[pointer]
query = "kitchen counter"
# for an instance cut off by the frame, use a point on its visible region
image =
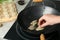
(6, 26)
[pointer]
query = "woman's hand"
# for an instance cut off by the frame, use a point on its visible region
(48, 19)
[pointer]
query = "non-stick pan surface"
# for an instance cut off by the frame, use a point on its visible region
(30, 14)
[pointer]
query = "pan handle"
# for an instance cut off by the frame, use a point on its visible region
(42, 37)
(37, 0)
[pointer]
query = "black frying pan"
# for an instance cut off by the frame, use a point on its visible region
(27, 16)
(30, 14)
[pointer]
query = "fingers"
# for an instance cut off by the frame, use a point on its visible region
(42, 37)
(44, 25)
(41, 21)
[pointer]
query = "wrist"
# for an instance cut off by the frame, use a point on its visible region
(58, 19)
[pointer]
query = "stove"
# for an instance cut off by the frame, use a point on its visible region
(16, 33)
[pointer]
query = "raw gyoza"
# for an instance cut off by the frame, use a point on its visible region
(7, 11)
(34, 26)
(39, 28)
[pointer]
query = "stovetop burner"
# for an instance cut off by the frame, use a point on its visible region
(19, 32)
(16, 33)
(12, 33)
(23, 34)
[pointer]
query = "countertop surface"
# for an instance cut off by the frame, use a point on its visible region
(6, 26)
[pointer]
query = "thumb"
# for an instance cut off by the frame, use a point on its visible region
(45, 24)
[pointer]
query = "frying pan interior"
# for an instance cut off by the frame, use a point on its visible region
(28, 15)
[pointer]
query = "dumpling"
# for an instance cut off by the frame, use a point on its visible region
(39, 28)
(33, 25)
